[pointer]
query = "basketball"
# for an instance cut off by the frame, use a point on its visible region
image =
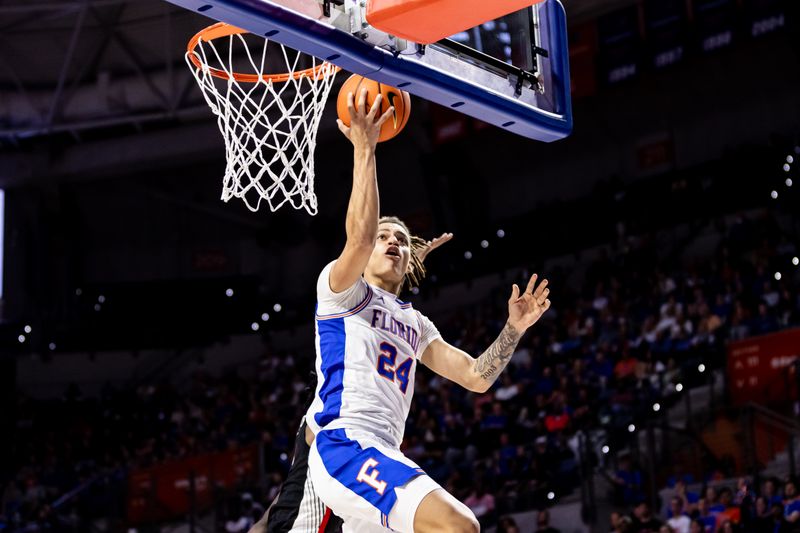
(391, 97)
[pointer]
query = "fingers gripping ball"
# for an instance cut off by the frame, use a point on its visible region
(390, 97)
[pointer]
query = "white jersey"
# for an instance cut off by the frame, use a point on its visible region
(368, 344)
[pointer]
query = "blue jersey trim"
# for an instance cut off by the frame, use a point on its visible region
(331, 348)
(344, 458)
(349, 312)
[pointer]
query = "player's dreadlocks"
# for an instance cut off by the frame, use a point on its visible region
(416, 271)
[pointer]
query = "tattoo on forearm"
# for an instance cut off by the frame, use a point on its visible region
(496, 357)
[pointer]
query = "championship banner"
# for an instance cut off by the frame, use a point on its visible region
(168, 490)
(762, 370)
(716, 23)
(620, 43)
(666, 32)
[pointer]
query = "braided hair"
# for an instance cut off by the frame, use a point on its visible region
(416, 272)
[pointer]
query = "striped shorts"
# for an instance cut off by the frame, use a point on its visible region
(298, 508)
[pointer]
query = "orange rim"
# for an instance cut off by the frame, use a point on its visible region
(220, 29)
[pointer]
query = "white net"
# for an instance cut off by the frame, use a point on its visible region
(269, 122)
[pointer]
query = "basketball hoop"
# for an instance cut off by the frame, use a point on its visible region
(269, 121)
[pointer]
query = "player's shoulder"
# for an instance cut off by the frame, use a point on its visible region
(332, 304)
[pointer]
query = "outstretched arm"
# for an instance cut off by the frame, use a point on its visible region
(362, 211)
(478, 374)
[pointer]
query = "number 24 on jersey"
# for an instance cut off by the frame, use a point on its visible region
(387, 368)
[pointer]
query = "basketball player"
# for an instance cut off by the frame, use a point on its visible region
(298, 508)
(368, 344)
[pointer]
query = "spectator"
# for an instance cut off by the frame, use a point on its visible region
(507, 524)
(727, 526)
(679, 521)
(791, 504)
(704, 516)
(762, 519)
(643, 519)
(543, 522)
(628, 481)
(482, 504)
(730, 512)
(624, 525)
(712, 501)
(688, 498)
(770, 492)
(697, 526)
(779, 523)
(614, 520)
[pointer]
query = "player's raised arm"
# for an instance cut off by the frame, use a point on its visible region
(478, 374)
(362, 211)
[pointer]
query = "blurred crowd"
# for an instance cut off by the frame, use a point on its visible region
(774, 507)
(639, 318)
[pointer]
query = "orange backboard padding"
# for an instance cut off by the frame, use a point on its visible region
(427, 21)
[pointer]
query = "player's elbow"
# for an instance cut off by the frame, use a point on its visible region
(478, 385)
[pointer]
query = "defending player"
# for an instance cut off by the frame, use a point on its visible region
(368, 345)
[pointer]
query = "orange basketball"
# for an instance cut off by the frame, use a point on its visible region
(390, 96)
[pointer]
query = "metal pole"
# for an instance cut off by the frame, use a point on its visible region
(192, 501)
(711, 402)
(588, 476)
(651, 464)
(583, 469)
(688, 398)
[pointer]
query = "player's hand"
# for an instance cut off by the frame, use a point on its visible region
(525, 309)
(365, 125)
(429, 246)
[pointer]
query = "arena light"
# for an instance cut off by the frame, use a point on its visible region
(229, 293)
(605, 449)
(551, 495)
(679, 387)
(414, 290)
(631, 428)
(789, 182)
(254, 326)
(264, 317)
(796, 261)
(778, 276)
(484, 244)
(501, 234)
(52, 346)
(277, 308)
(789, 159)
(656, 407)
(701, 368)
(787, 167)
(21, 339)
(101, 299)
(97, 307)
(78, 291)
(774, 195)
(468, 255)
(27, 328)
